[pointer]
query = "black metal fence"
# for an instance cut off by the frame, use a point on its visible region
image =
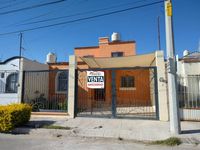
(127, 93)
(46, 90)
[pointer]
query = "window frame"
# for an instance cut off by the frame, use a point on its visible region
(57, 82)
(13, 82)
(120, 52)
(127, 83)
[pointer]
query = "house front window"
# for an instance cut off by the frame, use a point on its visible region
(117, 54)
(11, 83)
(127, 82)
(62, 81)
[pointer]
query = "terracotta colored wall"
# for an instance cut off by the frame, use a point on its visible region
(52, 80)
(86, 97)
(140, 94)
(137, 96)
(105, 50)
(55, 66)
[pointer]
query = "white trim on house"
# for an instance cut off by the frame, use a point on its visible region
(12, 65)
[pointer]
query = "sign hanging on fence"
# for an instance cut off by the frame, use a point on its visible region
(95, 79)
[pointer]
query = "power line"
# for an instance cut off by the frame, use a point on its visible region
(29, 19)
(81, 13)
(18, 23)
(31, 7)
(81, 19)
(12, 4)
(5, 2)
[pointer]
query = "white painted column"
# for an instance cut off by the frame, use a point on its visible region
(162, 86)
(20, 81)
(71, 85)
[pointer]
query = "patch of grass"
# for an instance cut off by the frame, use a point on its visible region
(55, 127)
(172, 141)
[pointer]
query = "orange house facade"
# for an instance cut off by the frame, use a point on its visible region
(133, 87)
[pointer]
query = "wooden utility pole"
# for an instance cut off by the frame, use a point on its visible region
(20, 50)
(158, 21)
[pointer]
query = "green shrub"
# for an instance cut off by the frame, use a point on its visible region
(14, 115)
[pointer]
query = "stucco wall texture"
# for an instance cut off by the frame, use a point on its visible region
(139, 95)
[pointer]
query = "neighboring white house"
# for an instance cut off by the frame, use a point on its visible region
(188, 71)
(11, 71)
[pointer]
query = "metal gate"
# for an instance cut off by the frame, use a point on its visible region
(127, 93)
(189, 97)
(46, 90)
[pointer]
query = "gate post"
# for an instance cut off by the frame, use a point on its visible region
(20, 81)
(71, 85)
(162, 87)
(113, 83)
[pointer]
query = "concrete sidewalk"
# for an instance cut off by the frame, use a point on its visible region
(140, 130)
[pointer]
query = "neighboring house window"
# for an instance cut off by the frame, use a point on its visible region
(127, 81)
(2, 75)
(117, 54)
(62, 81)
(11, 83)
(88, 56)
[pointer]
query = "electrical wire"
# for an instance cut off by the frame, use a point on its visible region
(12, 4)
(85, 18)
(29, 19)
(78, 14)
(18, 23)
(31, 7)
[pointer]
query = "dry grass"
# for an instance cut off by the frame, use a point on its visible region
(172, 141)
(55, 127)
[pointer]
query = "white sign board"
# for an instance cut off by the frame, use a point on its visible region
(95, 79)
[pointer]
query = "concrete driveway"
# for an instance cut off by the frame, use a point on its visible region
(140, 130)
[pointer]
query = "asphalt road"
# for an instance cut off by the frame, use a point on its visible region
(58, 142)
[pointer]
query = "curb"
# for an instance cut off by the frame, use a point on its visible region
(76, 133)
(41, 131)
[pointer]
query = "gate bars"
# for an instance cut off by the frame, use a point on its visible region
(128, 93)
(46, 90)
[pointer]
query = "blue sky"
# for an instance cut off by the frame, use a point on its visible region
(138, 24)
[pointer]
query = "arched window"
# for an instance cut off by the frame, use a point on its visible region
(62, 81)
(11, 83)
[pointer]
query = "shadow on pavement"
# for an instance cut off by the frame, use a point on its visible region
(190, 131)
(25, 129)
